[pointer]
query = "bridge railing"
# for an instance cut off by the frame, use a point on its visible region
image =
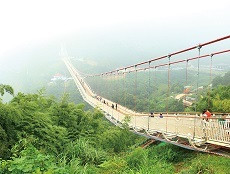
(218, 130)
(215, 130)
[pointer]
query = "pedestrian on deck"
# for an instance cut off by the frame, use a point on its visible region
(161, 115)
(116, 106)
(151, 114)
(208, 115)
(113, 106)
(203, 114)
(222, 119)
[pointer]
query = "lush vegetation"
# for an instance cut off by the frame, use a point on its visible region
(40, 134)
(216, 99)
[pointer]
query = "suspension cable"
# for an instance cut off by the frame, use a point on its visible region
(198, 76)
(125, 88)
(107, 82)
(167, 104)
(135, 96)
(155, 82)
(149, 94)
(186, 83)
(175, 53)
(210, 83)
(119, 98)
(149, 88)
(197, 85)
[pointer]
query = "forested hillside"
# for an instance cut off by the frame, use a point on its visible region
(216, 99)
(146, 93)
(39, 134)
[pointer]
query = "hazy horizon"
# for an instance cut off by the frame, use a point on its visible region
(106, 34)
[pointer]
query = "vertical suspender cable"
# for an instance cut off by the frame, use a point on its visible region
(210, 84)
(149, 94)
(167, 105)
(186, 83)
(198, 76)
(155, 82)
(101, 84)
(135, 96)
(110, 86)
(119, 98)
(197, 85)
(167, 109)
(106, 86)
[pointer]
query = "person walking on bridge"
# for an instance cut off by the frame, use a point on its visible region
(161, 115)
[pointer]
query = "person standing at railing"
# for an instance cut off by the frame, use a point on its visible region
(161, 115)
(151, 114)
(207, 114)
(222, 120)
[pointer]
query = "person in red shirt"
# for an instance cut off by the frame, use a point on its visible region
(208, 115)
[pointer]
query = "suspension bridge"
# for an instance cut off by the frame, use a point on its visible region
(188, 130)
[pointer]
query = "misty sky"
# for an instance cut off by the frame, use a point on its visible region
(105, 31)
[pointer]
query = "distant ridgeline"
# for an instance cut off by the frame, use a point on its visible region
(225, 80)
(217, 99)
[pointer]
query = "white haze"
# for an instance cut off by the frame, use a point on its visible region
(111, 32)
(28, 22)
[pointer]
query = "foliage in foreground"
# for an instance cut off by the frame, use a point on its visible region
(40, 135)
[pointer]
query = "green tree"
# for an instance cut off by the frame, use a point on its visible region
(6, 88)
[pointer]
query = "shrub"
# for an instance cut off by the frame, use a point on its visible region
(85, 152)
(137, 158)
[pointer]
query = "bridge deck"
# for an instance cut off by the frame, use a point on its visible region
(193, 128)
